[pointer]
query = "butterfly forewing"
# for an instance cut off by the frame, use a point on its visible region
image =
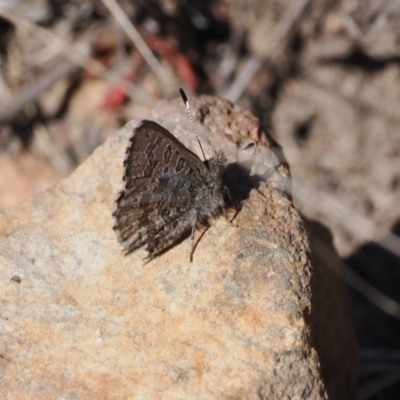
(163, 180)
(154, 152)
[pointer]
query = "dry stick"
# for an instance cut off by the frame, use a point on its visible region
(57, 156)
(31, 92)
(391, 243)
(350, 219)
(376, 297)
(374, 11)
(242, 79)
(276, 41)
(119, 14)
(82, 59)
(76, 57)
(229, 63)
(330, 258)
(351, 27)
(5, 93)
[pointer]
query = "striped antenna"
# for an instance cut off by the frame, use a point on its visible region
(189, 111)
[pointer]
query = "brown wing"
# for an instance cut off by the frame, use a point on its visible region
(154, 151)
(162, 178)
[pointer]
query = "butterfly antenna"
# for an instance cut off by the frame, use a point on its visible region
(189, 111)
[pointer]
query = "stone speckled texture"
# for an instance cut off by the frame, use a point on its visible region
(86, 322)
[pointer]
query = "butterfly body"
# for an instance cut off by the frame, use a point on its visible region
(168, 191)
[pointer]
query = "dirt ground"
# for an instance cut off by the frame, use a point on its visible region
(323, 77)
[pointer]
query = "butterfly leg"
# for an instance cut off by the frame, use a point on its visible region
(192, 244)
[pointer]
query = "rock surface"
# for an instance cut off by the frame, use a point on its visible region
(80, 320)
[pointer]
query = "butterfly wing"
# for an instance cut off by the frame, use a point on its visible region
(162, 178)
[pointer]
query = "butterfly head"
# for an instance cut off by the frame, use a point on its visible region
(217, 164)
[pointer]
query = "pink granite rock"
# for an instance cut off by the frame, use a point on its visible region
(81, 320)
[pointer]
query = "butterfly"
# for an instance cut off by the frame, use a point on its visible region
(169, 192)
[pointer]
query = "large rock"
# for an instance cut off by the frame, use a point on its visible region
(81, 320)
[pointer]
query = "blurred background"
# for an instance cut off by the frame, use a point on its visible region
(322, 76)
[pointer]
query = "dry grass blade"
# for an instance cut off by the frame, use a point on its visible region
(119, 14)
(243, 78)
(30, 93)
(355, 222)
(74, 54)
(46, 145)
(275, 43)
(376, 297)
(359, 225)
(77, 57)
(5, 93)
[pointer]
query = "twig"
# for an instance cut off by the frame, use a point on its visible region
(325, 253)
(119, 14)
(58, 158)
(31, 92)
(359, 284)
(5, 93)
(74, 54)
(353, 221)
(351, 27)
(228, 63)
(242, 79)
(279, 36)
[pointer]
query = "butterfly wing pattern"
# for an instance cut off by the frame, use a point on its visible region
(168, 191)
